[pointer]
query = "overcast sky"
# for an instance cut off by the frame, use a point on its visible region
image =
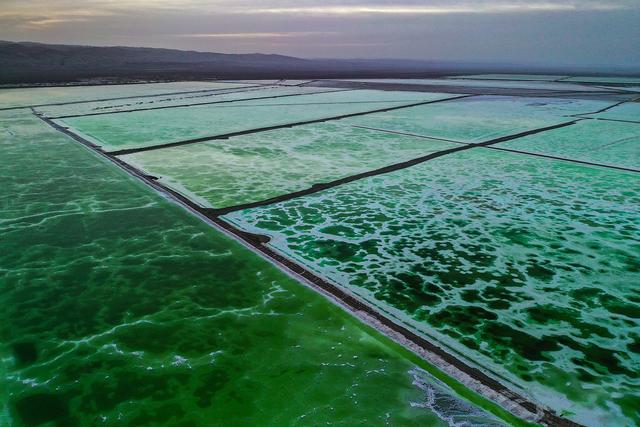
(545, 32)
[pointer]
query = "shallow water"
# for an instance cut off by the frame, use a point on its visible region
(219, 95)
(527, 266)
(479, 118)
(256, 167)
(486, 83)
(541, 77)
(120, 308)
(627, 111)
(610, 143)
(619, 80)
(10, 98)
(148, 128)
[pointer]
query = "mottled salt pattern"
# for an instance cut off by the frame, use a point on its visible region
(527, 266)
(540, 77)
(118, 307)
(610, 143)
(267, 164)
(148, 128)
(220, 95)
(489, 83)
(45, 95)
(437, 398)
(479, 118)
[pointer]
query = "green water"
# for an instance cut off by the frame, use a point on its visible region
(34, 96)
(627, 111)
(527, 266)
(118, 307)
(619, 80)
(268, 164)
(610, 143)
(228, 94)
(490, 83)
(479, 118)
(148, 128)
(542, 77)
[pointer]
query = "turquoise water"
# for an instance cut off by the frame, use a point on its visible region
(527, 266)
(259, 166)
(34, 96)
(230, 94)
(610, 143)
(486, 83)
(540, 77)
(479, 118)
(120, 308)
(627, 111)
(148, 128)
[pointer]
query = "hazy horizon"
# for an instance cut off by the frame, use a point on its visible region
(538, 33)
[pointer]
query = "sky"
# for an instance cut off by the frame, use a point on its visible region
(536, 32)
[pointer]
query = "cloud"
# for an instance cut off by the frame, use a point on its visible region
(47, 22)
(545, 31)
(58, 9)
(35, 20)
(256, 35)
(450, 8)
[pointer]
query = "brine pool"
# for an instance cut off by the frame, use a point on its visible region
(120, 307)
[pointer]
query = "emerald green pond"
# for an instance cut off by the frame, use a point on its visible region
(259, 166)
(147, 128)
(120, 307)
(527, 266)
(609, 143)
(117, 307)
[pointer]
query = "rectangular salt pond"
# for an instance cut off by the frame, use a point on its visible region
(488, 83)
(605, 80)
(164, 101)
(479, 118)
(11, 98)
(148, 128)
(120, 308)
(260, 166)
(527, 266)
(627, 111)
(532, 77)
(281, 82)
(610, 143)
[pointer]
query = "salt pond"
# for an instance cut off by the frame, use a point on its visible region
(479, 118)
(260, 166)
(527, 266)
(148, 128)
(119, 307)
(21, 97)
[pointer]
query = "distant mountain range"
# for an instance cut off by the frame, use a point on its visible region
(26, 62)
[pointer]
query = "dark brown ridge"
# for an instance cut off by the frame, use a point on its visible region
(132, 110)
(128, 97)
(267, 128)
(386, 169)
(257, 241)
